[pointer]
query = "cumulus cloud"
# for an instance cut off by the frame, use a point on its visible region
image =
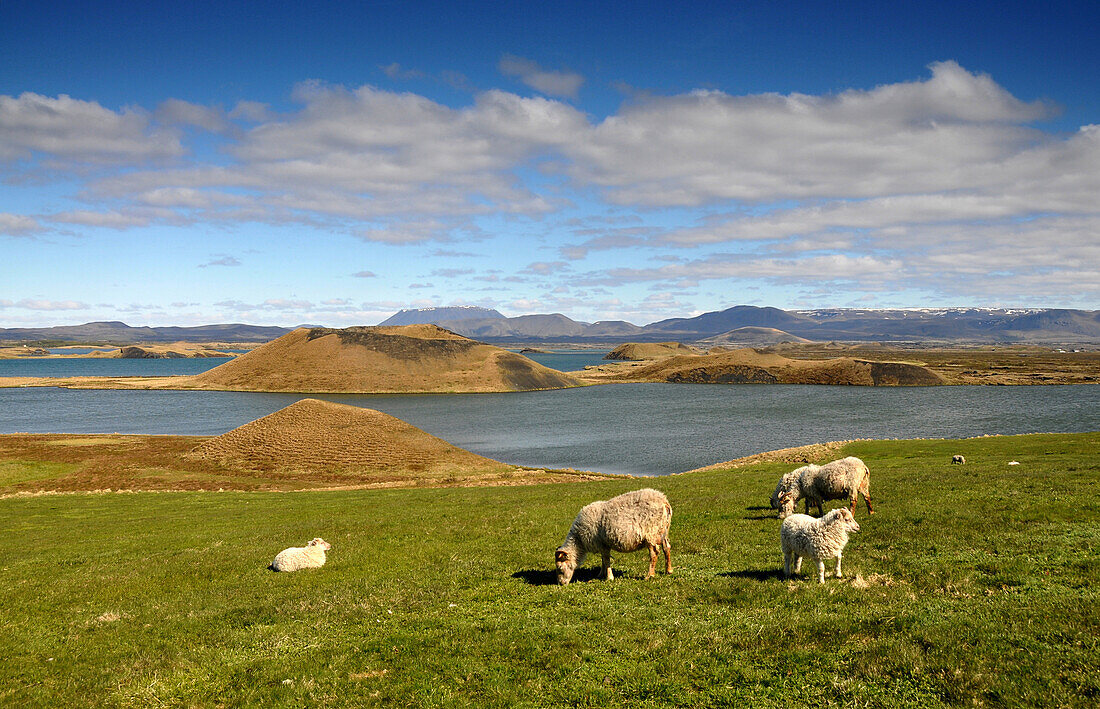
(184, 113)
(19, 225)
(80, 131)
(891, 182)
(949, 132)
(364, 274)
(551, 83)
(110, 220)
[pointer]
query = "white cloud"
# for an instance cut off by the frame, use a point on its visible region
(80, 131)
(34, 304)
(19, 225)
(901, 181)
(184, 113)
(551, 83)
(110, 220)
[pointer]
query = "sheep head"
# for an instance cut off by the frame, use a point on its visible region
(786, 504)
(566, 566)
(318, 542)
(847, 519)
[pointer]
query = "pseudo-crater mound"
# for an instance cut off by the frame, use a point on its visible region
(401, 359)
(748, 366)
(314, 436)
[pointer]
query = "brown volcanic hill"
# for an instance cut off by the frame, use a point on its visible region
(748, 366)
(637, 351)
(400, 359)
(753, 336)
(322, 436)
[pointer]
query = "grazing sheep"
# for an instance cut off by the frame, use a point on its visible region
(788, 483)
(846, 478)
(958, 460)
(820, 539)
(625, 523)
(311, 556)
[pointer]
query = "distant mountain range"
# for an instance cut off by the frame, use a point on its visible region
(944, 325)
(750, 324)
(121, 333)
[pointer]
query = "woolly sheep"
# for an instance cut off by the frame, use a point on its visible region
(846, 478)
(818, 538)
(787, 483)
(625, 523)
(958, 460)
(311, 556)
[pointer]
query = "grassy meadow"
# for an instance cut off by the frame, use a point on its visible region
(971, 585)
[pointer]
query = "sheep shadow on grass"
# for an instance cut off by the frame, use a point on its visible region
(549, 577)
(763, 512)
(761, 575)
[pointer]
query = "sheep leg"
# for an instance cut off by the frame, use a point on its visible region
(786, 564)
(838, 572)
(865, 488)
(820, 571)
(667, 546)
(607, 565)
(797, 564)
(652, 560)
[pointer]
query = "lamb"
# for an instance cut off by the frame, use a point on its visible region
(820, 539)
(311, 556)
(958, 460)
(625, 523)
(840, 479)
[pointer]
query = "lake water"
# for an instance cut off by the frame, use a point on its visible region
(101, 367)
(568, 360)
(563, 360)
(647, 429)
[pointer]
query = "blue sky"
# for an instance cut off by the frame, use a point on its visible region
(330, 163)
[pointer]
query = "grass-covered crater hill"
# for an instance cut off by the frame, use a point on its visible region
(400, 359)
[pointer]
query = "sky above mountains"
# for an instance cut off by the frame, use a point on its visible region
(285, 163)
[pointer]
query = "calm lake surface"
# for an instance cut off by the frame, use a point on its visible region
(100, 367)
(563, 360)
(645, 429)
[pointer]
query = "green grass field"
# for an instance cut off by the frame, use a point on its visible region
(972, 585)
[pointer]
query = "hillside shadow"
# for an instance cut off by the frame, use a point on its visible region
(760, 575)
(549, 577)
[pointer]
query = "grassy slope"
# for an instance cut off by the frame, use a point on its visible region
(978, 584)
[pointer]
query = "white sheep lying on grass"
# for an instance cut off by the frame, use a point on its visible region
(311, 556)
(846, 478)
(625, 523)
(819, 539)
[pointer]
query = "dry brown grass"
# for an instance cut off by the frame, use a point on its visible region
(750, 366)
(413, 358)
(987, 364)
(799, 455)
(636, 351)
(322, 437)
